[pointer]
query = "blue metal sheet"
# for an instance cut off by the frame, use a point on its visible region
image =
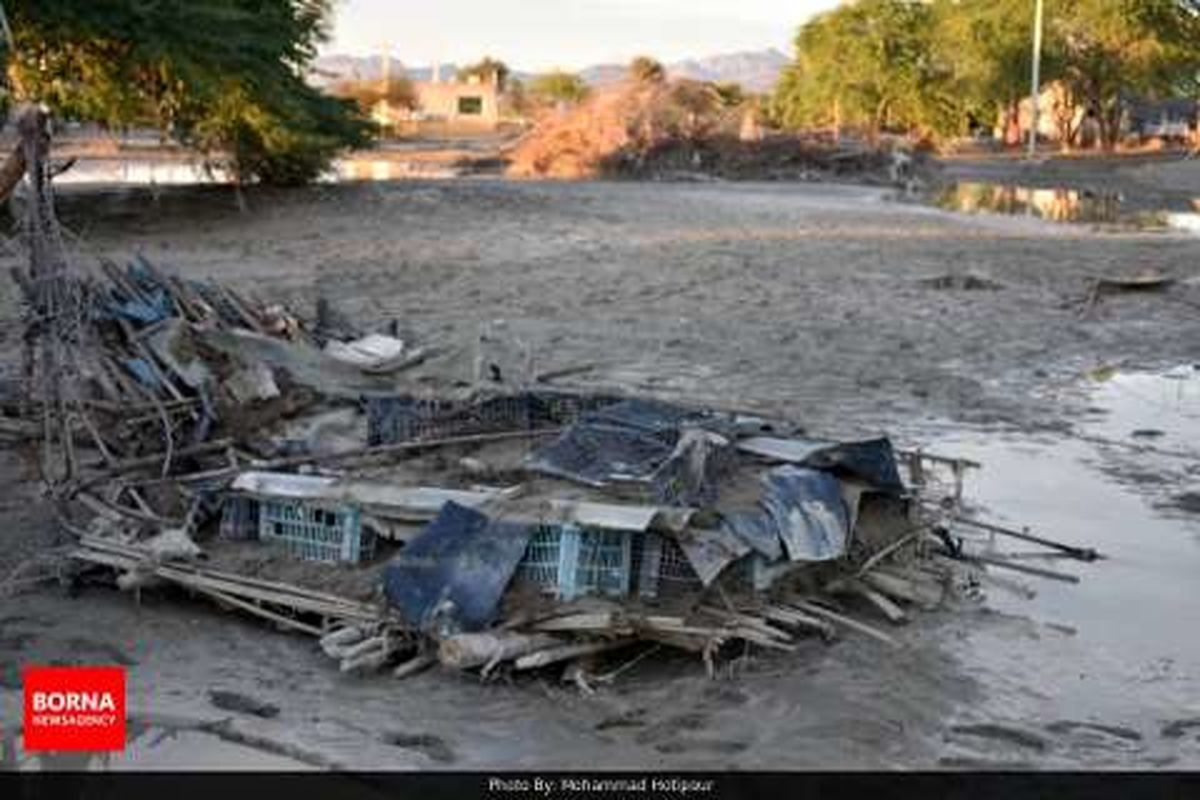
(807, 508)
(462, 557)
(757, 529)
(711, 550)
(595, 454)
(872, 460)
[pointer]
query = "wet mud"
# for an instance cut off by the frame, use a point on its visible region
(806, 301)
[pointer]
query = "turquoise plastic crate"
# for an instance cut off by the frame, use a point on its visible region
(315, 532)
(572, 561)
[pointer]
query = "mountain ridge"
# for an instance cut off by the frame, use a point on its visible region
(755, 70)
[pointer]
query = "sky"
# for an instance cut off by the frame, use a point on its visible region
(567, 34)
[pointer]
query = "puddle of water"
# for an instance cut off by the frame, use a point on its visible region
(174, 172)
(1132, 654)
(1065, 205)
(1159, 410)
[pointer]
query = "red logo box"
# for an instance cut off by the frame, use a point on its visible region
(74, 708)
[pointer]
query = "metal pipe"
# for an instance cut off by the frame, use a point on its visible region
(1036, 83)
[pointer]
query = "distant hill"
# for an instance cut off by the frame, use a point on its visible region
(755, 70)
(337, 67)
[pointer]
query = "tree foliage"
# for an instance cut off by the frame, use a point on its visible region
(398, 92)
(558, 87)
(485, 69)
(645, 69)
(933, 66)
(225, 76)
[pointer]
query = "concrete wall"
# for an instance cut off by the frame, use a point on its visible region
(456, 102)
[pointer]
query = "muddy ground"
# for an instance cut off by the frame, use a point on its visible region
(810, 301)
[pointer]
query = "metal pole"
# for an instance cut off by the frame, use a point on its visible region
(1036, 87)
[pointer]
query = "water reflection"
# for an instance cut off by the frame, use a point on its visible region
(1064, 205)
(177, 172)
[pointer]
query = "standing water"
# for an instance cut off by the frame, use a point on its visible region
(1106, 672)
(1071, 205)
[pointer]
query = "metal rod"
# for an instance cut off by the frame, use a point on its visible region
(1036, 82)
(1081, 553)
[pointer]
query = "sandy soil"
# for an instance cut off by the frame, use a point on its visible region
(802, 300)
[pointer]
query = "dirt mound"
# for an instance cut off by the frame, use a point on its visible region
(680, 130)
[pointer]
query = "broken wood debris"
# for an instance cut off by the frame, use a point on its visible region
(162, 407)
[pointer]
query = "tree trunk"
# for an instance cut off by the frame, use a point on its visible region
(1012, 123)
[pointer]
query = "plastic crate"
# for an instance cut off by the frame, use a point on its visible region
(393, 420)
(663, 569)
(239, 519)
(572, 562)
(315, 532)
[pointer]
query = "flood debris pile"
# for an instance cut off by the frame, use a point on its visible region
(682, 130)
(410, 506)
(348, 490)
(408, 513)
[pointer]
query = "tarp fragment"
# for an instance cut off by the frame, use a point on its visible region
(807, 507)
(454, 572)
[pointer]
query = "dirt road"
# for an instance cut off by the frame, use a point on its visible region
(806, 300)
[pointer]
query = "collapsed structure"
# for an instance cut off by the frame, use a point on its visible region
(411, 505)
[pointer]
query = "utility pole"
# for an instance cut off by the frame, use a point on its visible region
(1036, 89)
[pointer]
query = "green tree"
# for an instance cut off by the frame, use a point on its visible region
(870, 64)
(398, 92)
(987, 46)
(1113, 50)
(932, 66)
(224, 76)
(645, 69)
(485, 69)
(559, 87)
(730, 94)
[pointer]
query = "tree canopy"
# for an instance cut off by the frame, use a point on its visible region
(484, 69)
(399, 92)
(645, 69)
(558, 87)
(932, 67)
(224, 76)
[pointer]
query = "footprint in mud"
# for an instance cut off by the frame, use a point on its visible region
(715, 746)
(242, 704)
(1003, 733)
(726, 695)
(106, 651)
(671, 726)
(1176, 729)
(629, 719)
(1066, 726)
(983, 765)
(432, 747)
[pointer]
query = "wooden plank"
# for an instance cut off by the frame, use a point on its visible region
(414, 665)
(568, 652)
(841, 619)
(893, 612)
(287, 622)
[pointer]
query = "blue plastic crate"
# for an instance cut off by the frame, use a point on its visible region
(315, 532)
(572, 562)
